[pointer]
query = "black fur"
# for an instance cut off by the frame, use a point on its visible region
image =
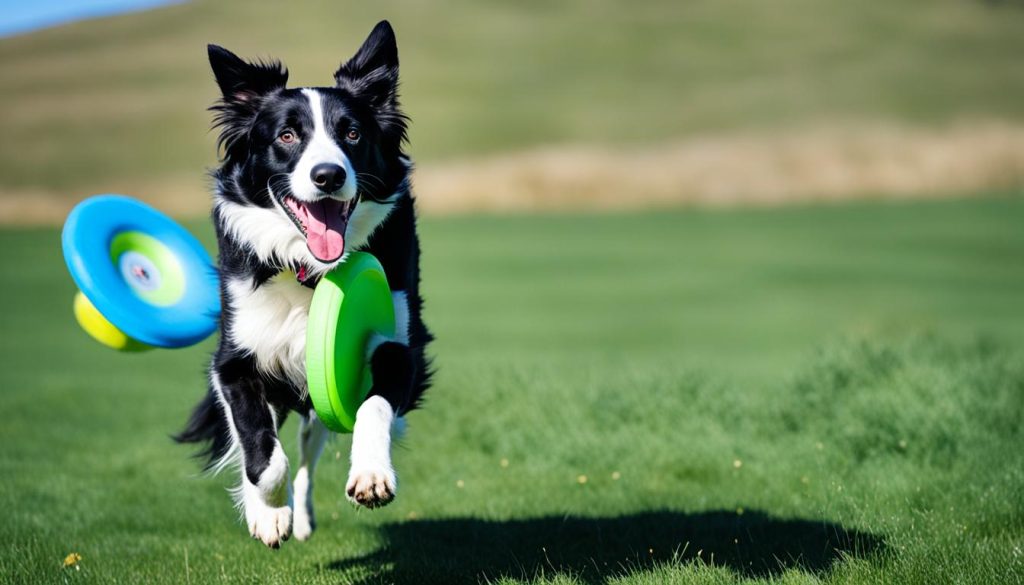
(255, 106)
(207, 425)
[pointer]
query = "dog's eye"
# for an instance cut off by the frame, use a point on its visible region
(287, 137)
(353, 135)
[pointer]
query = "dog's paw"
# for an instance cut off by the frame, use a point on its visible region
(303, 525)
(372, 488)
(271, 526)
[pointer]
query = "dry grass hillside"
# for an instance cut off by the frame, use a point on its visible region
(539, 105)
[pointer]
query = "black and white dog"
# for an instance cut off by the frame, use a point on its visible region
(308, 174)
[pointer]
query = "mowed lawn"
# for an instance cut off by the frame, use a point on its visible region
(808, 394)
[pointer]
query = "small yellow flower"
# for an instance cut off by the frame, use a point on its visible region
(737, 463)
(460, 484)
(581, 479)
(616, 476)
(72, 560)
(504, 462)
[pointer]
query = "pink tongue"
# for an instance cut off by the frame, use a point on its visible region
(325, 229)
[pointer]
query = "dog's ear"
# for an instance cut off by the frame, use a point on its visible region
(242, 82)
(372, 74)
(243, 87)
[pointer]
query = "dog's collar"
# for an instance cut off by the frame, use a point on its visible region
(305, 276)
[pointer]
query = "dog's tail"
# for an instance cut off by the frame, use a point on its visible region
(208, 425)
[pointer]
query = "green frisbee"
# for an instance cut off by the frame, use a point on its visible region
(350, 304)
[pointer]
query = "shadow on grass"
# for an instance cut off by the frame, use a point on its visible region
(595, 550)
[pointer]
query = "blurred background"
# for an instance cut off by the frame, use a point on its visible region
(734, 277)
(568, 105)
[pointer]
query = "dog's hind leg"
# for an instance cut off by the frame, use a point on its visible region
(371, 479)
(265, 490)
(312, 438)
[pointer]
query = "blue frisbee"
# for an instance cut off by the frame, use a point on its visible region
(146, 281)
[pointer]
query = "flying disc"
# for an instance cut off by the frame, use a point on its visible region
(142, 276)
(350, 304)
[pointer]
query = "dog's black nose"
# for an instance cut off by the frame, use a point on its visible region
(328, 177)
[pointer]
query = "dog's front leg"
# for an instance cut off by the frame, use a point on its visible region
(371, 480)
(265, 490)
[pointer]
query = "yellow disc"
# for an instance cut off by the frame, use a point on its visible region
(103, 331)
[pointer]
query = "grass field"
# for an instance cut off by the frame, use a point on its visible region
(800, 395)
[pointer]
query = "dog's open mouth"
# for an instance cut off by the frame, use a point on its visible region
(323, 222)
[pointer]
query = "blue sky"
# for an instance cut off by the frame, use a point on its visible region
(18, 16)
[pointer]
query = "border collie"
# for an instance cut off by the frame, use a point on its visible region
(307, 175)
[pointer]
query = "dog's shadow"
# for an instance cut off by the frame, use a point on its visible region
(597, 550)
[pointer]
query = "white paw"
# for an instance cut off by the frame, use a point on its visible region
(303, 525)
(271, 526)
(372, 488)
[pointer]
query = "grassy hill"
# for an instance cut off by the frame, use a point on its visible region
(810, 395)
(118, 103)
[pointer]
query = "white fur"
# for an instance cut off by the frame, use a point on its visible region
(371, 478)
(302, 508)
(320, 148)
(401, 302)
(312, 438)
(269, 525)
(272, 488)
(268, 511)
(234, 453)
(275, 240)
(268, 233)
(270, 323)
(233, 456)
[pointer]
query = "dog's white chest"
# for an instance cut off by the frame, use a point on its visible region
(269, 322)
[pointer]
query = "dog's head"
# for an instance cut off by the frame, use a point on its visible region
(307, 159)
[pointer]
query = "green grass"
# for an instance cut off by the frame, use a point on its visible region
(801, 395)
(118, 103)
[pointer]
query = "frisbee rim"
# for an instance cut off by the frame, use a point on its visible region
(87, 238)
(349, 305)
